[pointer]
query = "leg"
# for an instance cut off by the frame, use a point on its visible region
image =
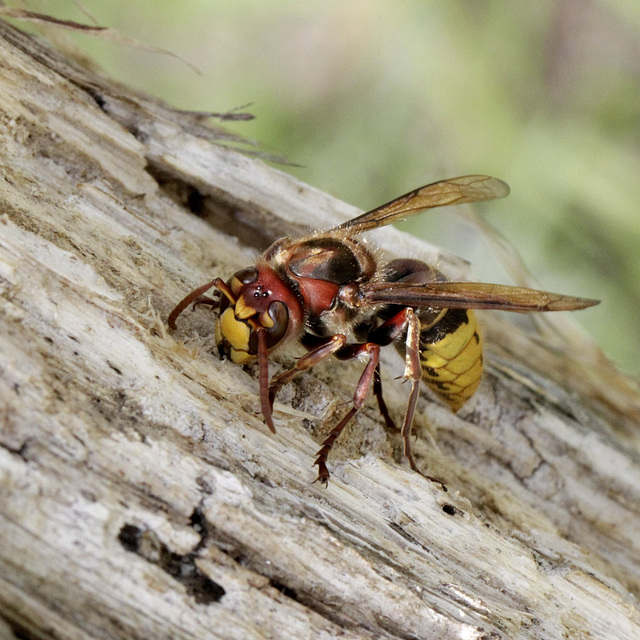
(382, 405)
(197, 297)
(362, 388)
(323, 348)
(383, 335)
(206, 300)
(413, 372)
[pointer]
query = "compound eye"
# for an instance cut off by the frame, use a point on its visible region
(240, 278)
(275, 321)
(279, 315)
(250, 274)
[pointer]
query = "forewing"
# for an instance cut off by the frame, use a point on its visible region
(439, 194)
(470, 295)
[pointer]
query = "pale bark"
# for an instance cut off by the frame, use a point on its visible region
(141, 495)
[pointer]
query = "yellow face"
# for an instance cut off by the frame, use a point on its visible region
(257, 304)
(236, 333)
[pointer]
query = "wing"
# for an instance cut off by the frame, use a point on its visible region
(439, 194)
(468, 295)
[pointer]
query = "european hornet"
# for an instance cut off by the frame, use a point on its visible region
(328, 291)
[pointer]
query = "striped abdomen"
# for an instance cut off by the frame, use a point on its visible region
(451, 357)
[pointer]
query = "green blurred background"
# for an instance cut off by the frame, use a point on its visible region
(376, 97)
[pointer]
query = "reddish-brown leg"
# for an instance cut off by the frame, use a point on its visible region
(372, 350)
(207, 301)
(382, 405)
(383, 335)
(196, 297)
(320, 351)
(263, 379)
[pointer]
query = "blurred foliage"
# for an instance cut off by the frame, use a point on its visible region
(376, 97)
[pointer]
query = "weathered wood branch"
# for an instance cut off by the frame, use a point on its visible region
(141, 496)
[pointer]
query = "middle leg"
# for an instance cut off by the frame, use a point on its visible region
(383, 335)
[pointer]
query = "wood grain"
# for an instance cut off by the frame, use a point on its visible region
(141, 496)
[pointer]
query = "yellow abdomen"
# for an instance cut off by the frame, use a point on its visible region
(451, 357)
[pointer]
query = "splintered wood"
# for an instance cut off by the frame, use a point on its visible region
(141, 495)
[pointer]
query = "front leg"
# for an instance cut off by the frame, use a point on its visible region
(197, 297)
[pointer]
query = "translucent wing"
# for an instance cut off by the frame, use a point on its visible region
(468, 295)
(439, 194)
